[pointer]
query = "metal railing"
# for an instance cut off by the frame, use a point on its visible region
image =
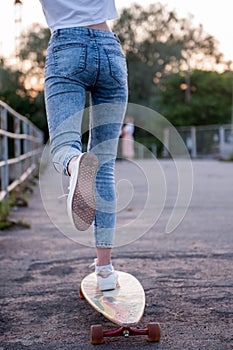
(20, 149)
(206, 141)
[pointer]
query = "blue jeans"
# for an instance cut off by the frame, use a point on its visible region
(81, 60)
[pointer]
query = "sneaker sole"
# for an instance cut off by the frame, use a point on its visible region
(83, 205)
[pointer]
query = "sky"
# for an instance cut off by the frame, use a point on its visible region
(215, 16)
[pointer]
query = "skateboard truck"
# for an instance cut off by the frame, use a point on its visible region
(126, 333)
(98, 334)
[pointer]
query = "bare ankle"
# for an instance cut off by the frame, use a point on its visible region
(70, 164)
(103, 256)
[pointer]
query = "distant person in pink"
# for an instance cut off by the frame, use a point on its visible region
(128, 138)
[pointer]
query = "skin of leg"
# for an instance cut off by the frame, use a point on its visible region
(103, 256)
(70, 164)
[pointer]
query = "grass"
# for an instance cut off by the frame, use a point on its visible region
(4, 210)
(17, 198)
(228, 159)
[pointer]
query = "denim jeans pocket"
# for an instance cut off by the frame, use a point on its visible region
(117, 65)
(69, 59)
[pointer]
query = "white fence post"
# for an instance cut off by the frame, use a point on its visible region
(194, 142)
(17, 149)
(221, 140)
(165, 142)
(5, 168)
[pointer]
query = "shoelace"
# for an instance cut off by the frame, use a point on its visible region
(64, 194)
(93, 264)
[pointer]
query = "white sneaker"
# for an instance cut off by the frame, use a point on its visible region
(81, 200)
(107, 277)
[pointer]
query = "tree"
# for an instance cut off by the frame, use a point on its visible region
(158, 43)
(32, 53)
(12, 91)
(29, 103)
(210, 103)
(162, 51)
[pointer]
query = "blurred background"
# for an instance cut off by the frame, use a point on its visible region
(179, 57)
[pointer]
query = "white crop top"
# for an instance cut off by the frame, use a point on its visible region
(77, 13)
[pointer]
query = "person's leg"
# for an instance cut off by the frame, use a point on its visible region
(104, 140)
(66, 81)
(65, 101)
(108, 105)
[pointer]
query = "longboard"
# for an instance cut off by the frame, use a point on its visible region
(123, 306)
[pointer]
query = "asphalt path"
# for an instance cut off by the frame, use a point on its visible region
(187, 274)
